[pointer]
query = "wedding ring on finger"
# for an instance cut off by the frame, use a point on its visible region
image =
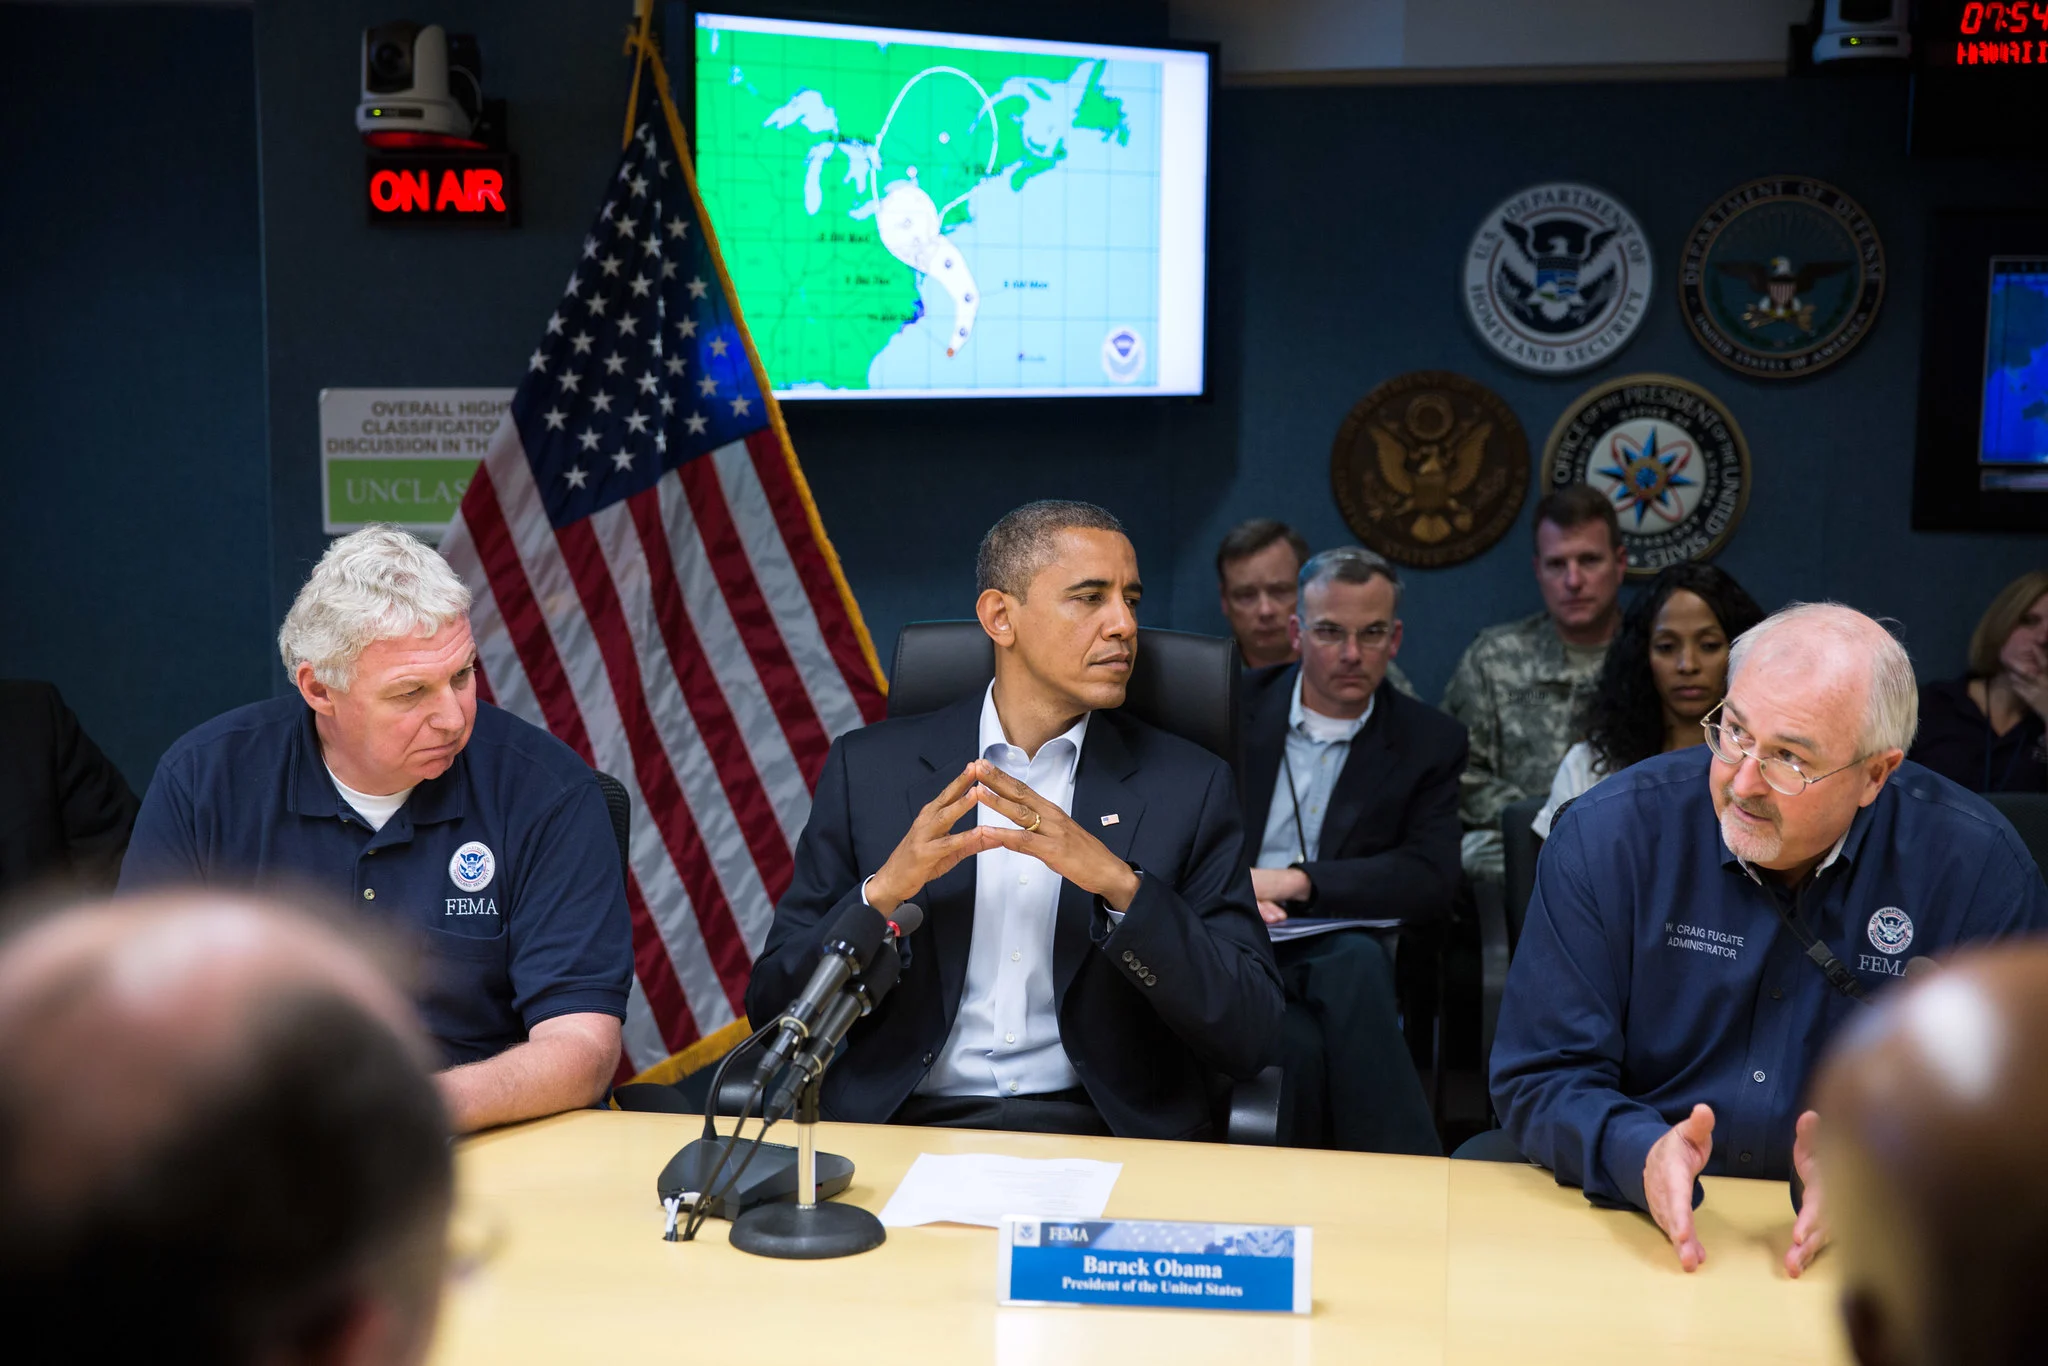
(1033, 827)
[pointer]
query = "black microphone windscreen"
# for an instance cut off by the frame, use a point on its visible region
(861, 930)
(907, 917)
(879, 977)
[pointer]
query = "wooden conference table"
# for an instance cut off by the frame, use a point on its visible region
(1417, 1260)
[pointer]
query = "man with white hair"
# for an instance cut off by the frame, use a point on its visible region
(383, 781)
(1705, 921)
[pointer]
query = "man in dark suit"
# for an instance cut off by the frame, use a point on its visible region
(65, 810)
(1352, 791)
(1090, 955)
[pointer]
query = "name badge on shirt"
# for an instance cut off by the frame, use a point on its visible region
(1144, 1262)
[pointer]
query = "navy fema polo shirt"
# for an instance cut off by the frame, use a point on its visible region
(1655, 971)
(504, 869)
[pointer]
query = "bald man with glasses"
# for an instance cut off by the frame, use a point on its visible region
(1705, 921)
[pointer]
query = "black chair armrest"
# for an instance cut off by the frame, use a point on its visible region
(1489, 906)
(1255, 1110)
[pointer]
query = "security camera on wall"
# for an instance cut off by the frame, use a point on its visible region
(422, 87)
(1861, 30)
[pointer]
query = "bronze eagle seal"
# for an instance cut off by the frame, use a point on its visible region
(1430, 468)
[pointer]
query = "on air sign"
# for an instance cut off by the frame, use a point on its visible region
(442, 189)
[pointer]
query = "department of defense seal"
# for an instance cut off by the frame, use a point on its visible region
(1668, 455)
(473, 866)
(1781, 277)
(1891, 931)
(1557, 278)
(1430, 468)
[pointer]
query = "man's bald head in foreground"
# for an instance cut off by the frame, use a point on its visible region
(1934, 1109)
(218, 1140)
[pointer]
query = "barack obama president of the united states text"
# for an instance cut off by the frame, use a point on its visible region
(1091, 955)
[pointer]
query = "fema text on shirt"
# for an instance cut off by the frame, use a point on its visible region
(1701, 940)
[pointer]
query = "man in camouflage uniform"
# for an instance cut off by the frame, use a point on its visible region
(1522, 685)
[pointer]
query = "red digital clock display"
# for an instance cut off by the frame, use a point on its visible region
(1993, 34)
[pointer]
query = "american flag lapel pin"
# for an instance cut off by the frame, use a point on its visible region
(1110, 819)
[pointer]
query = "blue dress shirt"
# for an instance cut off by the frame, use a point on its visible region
(1005, 1039)
(1654, 971)
(1316, 749)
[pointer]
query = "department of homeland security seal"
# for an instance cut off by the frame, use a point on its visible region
(1781, 277)
(473, 866)
(1891, 931)
(1430, 468)
(1557, 278)
(1668, 455)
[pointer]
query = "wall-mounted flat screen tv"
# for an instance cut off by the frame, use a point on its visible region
(913, 214)
(1982, 462)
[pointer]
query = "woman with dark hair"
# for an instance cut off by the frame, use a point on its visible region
(1667, 668)
(1984, 730)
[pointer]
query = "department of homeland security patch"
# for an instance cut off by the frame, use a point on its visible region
(1557, 278)
(1781, 277)
(1667, 454)
(1430, 468)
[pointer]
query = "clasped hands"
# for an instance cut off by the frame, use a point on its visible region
(1677, 1159)
(930, 849)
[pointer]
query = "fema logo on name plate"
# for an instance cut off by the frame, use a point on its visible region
(1782, 277)
(1891, 931)
(473, 866)
(1557, 278)
(1667, 454)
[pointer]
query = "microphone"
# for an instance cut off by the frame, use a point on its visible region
(850, 945)
(863, 994)
(1917, 967)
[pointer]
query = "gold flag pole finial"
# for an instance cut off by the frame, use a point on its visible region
(641, 45)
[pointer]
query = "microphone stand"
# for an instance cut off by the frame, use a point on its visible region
(807, 1230)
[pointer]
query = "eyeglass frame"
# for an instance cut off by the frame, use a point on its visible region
(1763, 765)
(1386, 629)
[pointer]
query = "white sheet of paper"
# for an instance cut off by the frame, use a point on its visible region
(980, 1188)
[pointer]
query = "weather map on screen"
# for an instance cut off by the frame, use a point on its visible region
(913, 214)
(2015, 422)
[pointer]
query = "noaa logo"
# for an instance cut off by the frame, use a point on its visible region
(473, 866)
(1891, 931)
(1123, 355)
(1669, 458)
(1557, 278)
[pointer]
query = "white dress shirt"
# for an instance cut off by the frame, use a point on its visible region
(1006, 1036)
(1316, 748)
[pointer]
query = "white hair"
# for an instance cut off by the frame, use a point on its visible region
(1817, 631)
(371, 585)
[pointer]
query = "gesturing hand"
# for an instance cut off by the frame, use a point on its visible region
(927, 850)
(2027, 671)
(1810, 1230)
(1674, 1163)
(1049, 835)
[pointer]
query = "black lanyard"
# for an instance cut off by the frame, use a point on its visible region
(1838, 974)
(1300, 837)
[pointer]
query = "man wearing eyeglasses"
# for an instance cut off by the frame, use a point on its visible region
(1705, 921)
(1354, 786)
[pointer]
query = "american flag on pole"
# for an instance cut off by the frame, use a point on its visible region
(654, 587)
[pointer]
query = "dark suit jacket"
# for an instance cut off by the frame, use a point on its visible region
(1148, 1010)
(1389, 845)
(65, 810)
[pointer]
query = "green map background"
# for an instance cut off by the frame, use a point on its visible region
(821, 296)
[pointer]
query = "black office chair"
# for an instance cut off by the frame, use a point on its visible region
(1183, 684)
(2028, 812)
(1501, 913)
(619, 803)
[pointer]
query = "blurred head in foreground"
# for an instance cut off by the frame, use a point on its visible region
(218, 1141)
(1933, 1111)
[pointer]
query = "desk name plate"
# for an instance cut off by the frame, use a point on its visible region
(1244, 1267)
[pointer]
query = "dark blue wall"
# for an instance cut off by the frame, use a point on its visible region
(1341, 215)
(133, 518)
(146, 572)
